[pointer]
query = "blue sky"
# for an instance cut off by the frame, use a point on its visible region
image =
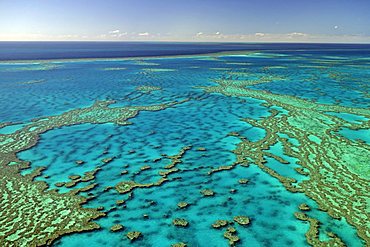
(186, 20)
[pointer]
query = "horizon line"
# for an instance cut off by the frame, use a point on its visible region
(177, 41)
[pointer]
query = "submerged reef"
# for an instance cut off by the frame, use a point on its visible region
(35, 67)
(147, 89)
(338, 175)
(115, 69)
(158, 70)
(33, 82)
(33, 215)
(180, 244)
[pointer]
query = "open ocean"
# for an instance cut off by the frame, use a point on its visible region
(67, 50)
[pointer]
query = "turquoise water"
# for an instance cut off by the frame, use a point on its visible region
(363, 134)
(41, 89)
(11, 128)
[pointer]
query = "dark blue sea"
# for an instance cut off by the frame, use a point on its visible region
(70, 50)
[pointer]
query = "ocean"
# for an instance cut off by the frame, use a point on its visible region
(268, 128)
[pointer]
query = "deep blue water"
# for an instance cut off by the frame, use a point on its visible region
(65, 50)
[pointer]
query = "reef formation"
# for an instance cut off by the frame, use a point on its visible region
(31, 215)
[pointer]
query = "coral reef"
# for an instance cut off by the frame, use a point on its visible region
(133, 236)
(28, 203)
(304, 207)
(117, 227)
(207, 192)
(180, 222)
(242, 220)
(220, 224)
(243, 181)
(182, 205)
(337, 167)
(180, 244)
(230, 234)
(128, 186)
(312, 235)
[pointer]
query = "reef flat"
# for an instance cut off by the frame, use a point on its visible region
(259, 148)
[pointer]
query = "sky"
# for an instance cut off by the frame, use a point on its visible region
(186, 20)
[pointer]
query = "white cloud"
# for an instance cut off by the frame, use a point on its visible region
(114, 31)
(296, 34)
(68, 36)
(122, 34)
(215, 36)
(336, 27)
(113, 35)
